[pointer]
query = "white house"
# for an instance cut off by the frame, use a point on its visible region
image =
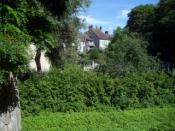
(100, 38)
(86, 43)
(94, 37)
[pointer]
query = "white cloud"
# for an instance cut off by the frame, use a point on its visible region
(123, 14)
(93, 21)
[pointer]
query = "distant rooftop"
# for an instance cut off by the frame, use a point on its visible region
(84, 37)
(99, 33)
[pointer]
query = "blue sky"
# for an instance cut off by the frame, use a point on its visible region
(110, 13)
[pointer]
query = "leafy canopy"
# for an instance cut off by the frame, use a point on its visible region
(127, 53)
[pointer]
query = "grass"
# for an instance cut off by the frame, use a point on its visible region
(148, 119)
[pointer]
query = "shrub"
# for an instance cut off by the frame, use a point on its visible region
(70, 89)
(127, 53)
(73, 89)
(144, 89)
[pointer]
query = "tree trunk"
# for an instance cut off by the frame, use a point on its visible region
(37, 60)
(10, 115)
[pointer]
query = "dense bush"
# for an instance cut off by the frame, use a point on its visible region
(72, 89)
(127, 53)
(144, 89)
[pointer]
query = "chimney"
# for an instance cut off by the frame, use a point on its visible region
(100, 28)
(106, 32)
(90, 27)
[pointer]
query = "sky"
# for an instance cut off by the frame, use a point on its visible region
(110, 14)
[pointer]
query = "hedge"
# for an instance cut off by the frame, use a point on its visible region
(73, 89)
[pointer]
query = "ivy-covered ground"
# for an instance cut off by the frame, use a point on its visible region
(146, 119)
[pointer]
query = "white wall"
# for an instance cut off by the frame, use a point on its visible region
(103, 44)
(81, 47)
(45, 62)
(89, 43)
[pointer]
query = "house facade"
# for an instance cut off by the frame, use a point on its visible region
(101, 39)
(86, 43)
(94, 38)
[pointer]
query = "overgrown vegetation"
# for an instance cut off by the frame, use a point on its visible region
(150, 119)
(127, 75)
(73, 89)
(127, 53)
(23, 22)
(156, 24)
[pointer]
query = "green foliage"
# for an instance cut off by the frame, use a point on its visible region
(36, 18)
(37, 25)
(13, 54)
(156, 25)
(2, 78)
(13, 59)
(149, 119)
(127, 54)
(41, 29)
(164, 30)
(64, 8)
(141, 20)
(73, 89)
(142, 90)
(13, 31)
(70, 89)
(94, 54)
(12, 16)
(49, 23)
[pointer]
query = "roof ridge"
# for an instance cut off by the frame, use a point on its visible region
(100, 34)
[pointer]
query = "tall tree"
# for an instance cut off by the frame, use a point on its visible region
(127, 54)
(68, 29)
(50, 23)
(64, 12)
(157, 25)
(164, 31)
(13, 61)
(62, 8)
(141, 20)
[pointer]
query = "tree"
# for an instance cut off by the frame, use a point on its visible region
(94, 54)
(127, 54)
(62, 8)
(50, 23)
(69, 25)
(41, 30)
(22, 20)
(13, 52)
(141, 20)
(164, 31)
(13, 61)
(157, 25)
(63, 32)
